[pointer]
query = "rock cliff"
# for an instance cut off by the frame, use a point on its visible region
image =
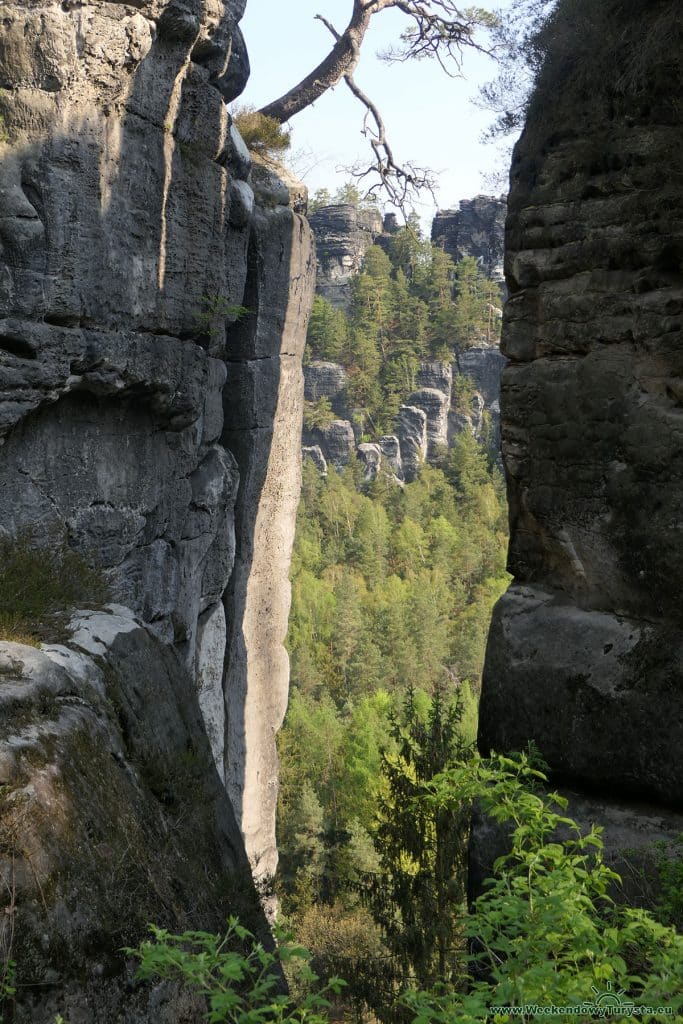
(476, 228)
(153, 426)
(584, 653)
(430, 419)
(343, 235)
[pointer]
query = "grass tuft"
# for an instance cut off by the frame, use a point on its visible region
(40, 583)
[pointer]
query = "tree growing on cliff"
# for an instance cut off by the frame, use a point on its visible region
(437, 29)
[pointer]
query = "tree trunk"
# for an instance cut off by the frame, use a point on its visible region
(340, 61)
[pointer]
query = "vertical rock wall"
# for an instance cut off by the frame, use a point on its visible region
(584, 653)
(476, 228)
(153, 428)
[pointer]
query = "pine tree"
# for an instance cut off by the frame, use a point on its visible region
(473, 314)
(328, 331)
(417, 897)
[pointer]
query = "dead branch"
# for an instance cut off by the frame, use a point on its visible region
(400, 183)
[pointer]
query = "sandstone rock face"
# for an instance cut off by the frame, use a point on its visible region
(145, 419)
(484, 366)
(584, 653)
(412, 437)
(336, 441)
(435, 405)
(436, 375)
(315, 454)
(629, 834)
(326, 380)
(263, 410)
(469, 416)
(113, 816)
(371, 457)
(390, 446)
(343, 234)
(476, 228)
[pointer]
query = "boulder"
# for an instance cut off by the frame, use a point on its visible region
(336, 441)
(371, 457)
(390, 446)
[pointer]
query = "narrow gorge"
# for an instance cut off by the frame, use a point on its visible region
(157, 405)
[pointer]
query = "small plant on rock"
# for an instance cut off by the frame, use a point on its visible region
(263, 136)
(216, 308)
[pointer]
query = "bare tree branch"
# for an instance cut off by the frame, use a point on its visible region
(400, 183)
(439, 29)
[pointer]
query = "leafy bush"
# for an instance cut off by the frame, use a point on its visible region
(546, 930)
(262, 135)
(241, 981)
(544, 933)
(39, 584)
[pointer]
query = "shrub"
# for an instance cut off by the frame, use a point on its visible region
(546, 930)
(216, 311)
(241, 981)
(262, 135)
(318, 414)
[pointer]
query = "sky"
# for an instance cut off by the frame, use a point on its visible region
(430, 118)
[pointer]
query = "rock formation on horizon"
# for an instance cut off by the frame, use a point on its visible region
(343, 234)
(476, 228)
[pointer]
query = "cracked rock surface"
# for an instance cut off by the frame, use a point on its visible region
(584, 653)
(152, 423)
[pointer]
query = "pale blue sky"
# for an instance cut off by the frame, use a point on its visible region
(429, 116)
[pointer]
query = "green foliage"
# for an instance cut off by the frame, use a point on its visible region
(8, 971)
(473, 319)
(263, 136)
(240, 980)
(462, 393)
(348, 194)
(670, 875)
(40, 582)
(417, 895)
(546, 930)
(318, 414)
(328, 331)
(216, 310)
(408, 304)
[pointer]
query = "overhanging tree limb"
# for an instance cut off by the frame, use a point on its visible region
(399, 182)
(439, 29)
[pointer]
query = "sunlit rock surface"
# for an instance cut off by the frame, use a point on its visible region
(154, 295)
